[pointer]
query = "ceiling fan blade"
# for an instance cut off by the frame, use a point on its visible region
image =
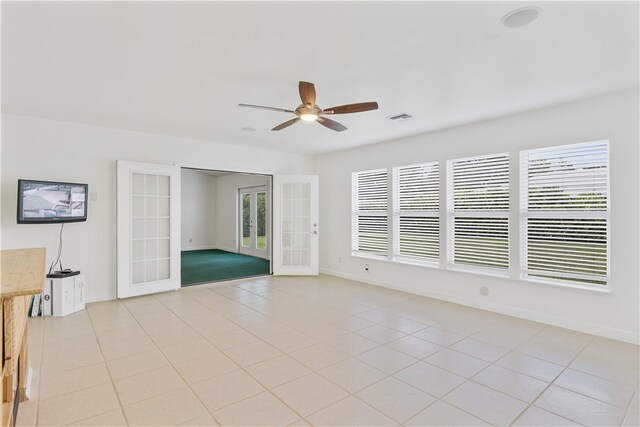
(262, 107)
(286, 124)
(307, 93)
(331, 124)
(351, 108)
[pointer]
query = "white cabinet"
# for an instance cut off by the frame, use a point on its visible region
(64, 295)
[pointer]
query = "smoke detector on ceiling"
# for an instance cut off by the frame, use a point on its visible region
(401, 117)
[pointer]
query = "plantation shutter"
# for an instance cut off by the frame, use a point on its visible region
(565, 212)
(416, 212)
(370, 212)
(478, 211)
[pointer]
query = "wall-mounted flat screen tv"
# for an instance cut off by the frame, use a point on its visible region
(46, 202)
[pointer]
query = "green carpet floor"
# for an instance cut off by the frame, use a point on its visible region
(213, 265)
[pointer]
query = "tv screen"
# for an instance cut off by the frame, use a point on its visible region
(47, 202)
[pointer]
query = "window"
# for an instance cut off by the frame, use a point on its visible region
(369, 212)
(565, 213)
(478, 212)
(416, 216)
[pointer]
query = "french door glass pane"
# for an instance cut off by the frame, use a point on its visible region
(150, 217)
(246, 220)
(296, 231)
(261, 221)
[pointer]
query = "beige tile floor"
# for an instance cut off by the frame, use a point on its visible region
(319, 351)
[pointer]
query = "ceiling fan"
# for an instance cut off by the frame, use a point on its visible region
(309, 110)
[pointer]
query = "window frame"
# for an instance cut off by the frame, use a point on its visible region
(398, 214)
(356, 213)
(516, 216)
(452, 213)
(525, 214)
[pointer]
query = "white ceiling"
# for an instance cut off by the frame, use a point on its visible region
(181, 68)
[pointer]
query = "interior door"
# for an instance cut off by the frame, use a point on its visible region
(295, 225)
(253, 221)
(148, 228)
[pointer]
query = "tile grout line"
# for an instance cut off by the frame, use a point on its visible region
(490, 363)
(539, 394)
(471, 379)
(552, 383)
(189, 386)
(240, 368)
(345, 299)
(37, 414)
(302, 417)
(387, 375)
(466, 380)
(564, 367)
(255, 379)
(465, 337)
(205, 338)
(103, 362)
(113, 384)
(134, 354)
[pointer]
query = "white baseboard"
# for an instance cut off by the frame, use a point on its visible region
(536, 316)
(207, 247)
(198, 248)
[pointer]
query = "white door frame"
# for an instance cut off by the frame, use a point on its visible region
(223, 168)
(268, 173)
(273, 228)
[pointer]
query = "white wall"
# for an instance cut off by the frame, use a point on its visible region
(227, 206)
(51, 150)
(613, 117)
(197, 210)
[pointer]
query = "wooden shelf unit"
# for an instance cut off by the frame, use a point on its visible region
(22, 276)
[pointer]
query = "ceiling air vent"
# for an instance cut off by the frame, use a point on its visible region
(401, 117)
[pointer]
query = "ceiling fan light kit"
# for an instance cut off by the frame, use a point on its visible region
(309, 110)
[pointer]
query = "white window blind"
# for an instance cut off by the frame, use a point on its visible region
(565, 213)
(416, 200)
(369, 213)
(478, 211)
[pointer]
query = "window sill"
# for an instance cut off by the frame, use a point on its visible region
(417, 263)
(406, 261)
(478, 270)
(369, 256)
(603, 289)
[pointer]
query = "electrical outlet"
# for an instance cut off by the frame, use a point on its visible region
(190, 239)
(484, 291)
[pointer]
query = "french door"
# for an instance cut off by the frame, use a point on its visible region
(253, 221)
(295, 225)
(148, 228)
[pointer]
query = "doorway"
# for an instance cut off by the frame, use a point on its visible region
(225, 226)
(151, 205)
